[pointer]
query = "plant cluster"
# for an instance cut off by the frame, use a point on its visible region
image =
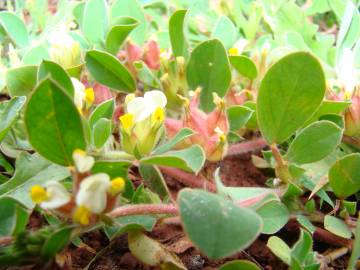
(97, 94)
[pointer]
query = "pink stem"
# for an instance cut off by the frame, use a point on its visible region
(7, 240)
(141, 209)
(245, 147)
(171, 209)
(189, 179)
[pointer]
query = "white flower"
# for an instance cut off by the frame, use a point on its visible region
(52, 196)
(64, 50)
(142, 107)
(79, 93)
(82, 161)
(346, 70)
(93, 193)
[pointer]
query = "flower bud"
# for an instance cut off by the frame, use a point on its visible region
(64, 50)
(152, 55)
(352, 116)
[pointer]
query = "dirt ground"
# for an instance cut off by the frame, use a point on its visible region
(235, 171)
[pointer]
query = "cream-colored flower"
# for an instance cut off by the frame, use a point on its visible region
(52, 196)
(142, 107)
(64, 50)
(83, 162)
(93, 193)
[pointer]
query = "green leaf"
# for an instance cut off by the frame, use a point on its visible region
(9, 110)
(177, 34)
(21, 81)
(31, 170)
(119, 32)
(344, 175)
(152, 252)
(109, 71)
(15, 28)
(53, 123)
(180, 136)
(209, 69)
(146, 76)
(57, 73)
(13, 217)
(131, 8)
(289, 94)
(302, 247)
(349, 31)
(36, 54)
(274, 215)
(190, 159)
(238, 116)
(328, 107)
(239, 265)
(337, 227)
(244, 65)
(103, 110)
(101, 132)
(228, 227)
(314, 142)
(154, 180)
(56, 242)
(355, 254)
(225, 31)
(95, 20)
(280, 249)
(123, 225)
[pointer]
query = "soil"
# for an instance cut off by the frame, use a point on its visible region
(235, 171)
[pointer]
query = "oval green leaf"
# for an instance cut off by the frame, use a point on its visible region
(217, 226)
(314, 142)
(337, 227)
(290, 93)
(21, 81)
(53, 123)
(244, 65)
(209, 69)
(95, 20)
(119, 32)
(15, 28)
(57, 73)
(177, 34)
(109, 71)
(239, 265)
(344, 176)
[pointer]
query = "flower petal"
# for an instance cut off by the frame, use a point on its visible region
(58, 195)
(139, 108)
(79, 93)
(155, 99)
(92, 192)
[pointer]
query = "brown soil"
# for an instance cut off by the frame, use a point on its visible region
(235, 171)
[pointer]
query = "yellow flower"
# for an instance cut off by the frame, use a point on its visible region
(89, 96)
(82, 215)
(158, 116)
(127, 121)
(233, 51)
(117, 185)
(38, 194)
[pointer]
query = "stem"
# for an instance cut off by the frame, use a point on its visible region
(7, 240)
(171, 209)
(336, 254)
(245, 147)
(329, 238)
(188, 179)
(141, 209)
(281, 168)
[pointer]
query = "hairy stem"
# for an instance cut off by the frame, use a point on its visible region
(188, 179)
(245, 147)
(7, 240)
(141, 209)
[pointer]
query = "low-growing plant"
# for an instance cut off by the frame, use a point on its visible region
(105, 104)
